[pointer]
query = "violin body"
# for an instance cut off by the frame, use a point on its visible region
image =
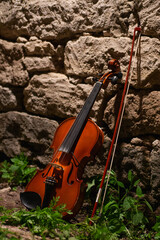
(67, 168)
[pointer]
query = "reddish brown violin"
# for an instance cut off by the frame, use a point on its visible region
(76, 141)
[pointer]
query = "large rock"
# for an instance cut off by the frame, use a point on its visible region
(150, 17)
(42, 56)
(141, 155)
(8, 100)
(155, 170)
(93, 59)
(37, 47)
(21, 132)
(135, 156)
(12, 71)
(146, 66)
(52, 94)
(96, 52)
(38, 65)
(142, 113)
(62, 19)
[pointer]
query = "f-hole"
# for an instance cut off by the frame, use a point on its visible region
(70, 183)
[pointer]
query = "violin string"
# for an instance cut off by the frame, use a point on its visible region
(54, 155)
(81, 119)
(62, 155)
(118, 131)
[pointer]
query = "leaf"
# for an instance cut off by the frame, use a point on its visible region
(30, 221)
(156, 227)
(130, 176)
(127, 203)
(15, 160)
(136, 182)
(13, 168)
(6, 175)
(120, 184)
(157, 236)
(139, 191)
(4, 171)
(90, 185)
(108, 205)
(148, 205)
(137, 218)
(5, 164)
(28, 171)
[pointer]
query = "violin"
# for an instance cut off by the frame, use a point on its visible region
(76, 141)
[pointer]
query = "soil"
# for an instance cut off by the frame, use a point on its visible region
(9, 198)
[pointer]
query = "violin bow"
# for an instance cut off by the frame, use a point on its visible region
(116, 129)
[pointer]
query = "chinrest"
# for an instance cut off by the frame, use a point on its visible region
(30, 200)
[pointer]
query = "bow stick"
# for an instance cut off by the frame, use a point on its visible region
(116, 129)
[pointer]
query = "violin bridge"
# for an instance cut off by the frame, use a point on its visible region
(56, 166)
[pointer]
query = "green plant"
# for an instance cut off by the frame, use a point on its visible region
(96, 231)
(123, 207)
(17, 172)
(156, 228)
(43, 222)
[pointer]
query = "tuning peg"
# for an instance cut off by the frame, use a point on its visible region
(116, 77)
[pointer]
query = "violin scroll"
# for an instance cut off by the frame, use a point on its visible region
(114, 65)
(112, 76)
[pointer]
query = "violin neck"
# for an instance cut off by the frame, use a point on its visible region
(74, 133)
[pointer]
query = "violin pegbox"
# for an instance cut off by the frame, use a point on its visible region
(114, 65)
(111, 76)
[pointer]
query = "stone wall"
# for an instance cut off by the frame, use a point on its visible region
(49, 52)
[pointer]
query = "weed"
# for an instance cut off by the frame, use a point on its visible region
(123, 208)
(17, 172)
(156, 228)
(43, 222)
